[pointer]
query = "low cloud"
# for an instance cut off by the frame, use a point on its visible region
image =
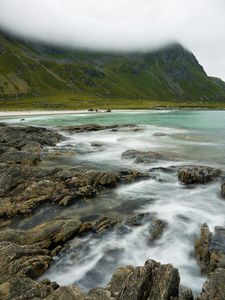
(123, 25)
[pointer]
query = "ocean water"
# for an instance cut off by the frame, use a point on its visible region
(190, 137)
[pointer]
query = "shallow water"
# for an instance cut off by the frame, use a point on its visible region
(191, 137)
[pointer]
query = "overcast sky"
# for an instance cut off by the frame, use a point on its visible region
(199, 25)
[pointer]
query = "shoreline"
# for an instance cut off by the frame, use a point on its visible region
(64, 112)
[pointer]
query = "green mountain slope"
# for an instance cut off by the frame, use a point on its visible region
(37, 75)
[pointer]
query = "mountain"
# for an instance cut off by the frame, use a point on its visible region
(33, 74)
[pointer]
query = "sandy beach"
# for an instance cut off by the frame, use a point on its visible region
(57, 112)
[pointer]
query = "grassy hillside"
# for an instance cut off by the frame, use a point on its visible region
(34, 76)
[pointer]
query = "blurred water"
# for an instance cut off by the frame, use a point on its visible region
(191, 137)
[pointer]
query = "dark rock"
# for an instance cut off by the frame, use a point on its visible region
(153, 281)
(223, 189)
(91, 109)
(14, 135)
(213, 288)
(198, 174)
(156, 226)
(31, 147)
(132, 176)
(160, 134)
(99, 293)
(95, 127)
(97, 144)
(104, 223)
(210, 249)
(45, 236)
(70, 292)
(142, 157)
(20, 157)
(22, 261)
(186, 295)
(24, 289)
(23, 189)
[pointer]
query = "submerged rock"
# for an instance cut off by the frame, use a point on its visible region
(198, 174)
(94, 127)
(210, 249)
(142, 157)
(155, 226)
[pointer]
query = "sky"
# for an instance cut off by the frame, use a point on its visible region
(124, 25)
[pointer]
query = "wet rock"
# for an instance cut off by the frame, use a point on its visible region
(153, 281)
(94, 127)
(22, 261)
(31, 147)
(45, 236)
(19, 136)
(23, 189)
(56, 154)
(132, 176)
(19, 145)
(104, 223)
(97, 144)
(223, 189)
(198, 174)
(67, 292)
(20, 157)
(24, 289)
(186, 295)
(155, 226)
(213, 288)
(210, 249)
(142, 157)
(160, 134)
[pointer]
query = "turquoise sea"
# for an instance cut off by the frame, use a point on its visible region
(186, 138)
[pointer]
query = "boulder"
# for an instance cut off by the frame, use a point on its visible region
(213, 288)
(153, 281)
(198, 174)
(210, 249)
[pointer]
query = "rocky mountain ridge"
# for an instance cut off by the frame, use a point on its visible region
(30, 70)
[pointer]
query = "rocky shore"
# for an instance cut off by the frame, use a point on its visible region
(27, 254)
